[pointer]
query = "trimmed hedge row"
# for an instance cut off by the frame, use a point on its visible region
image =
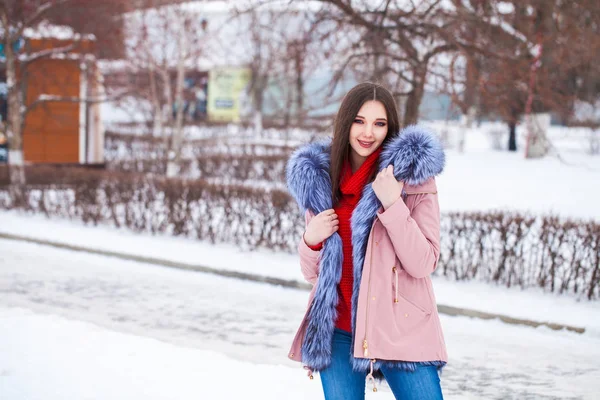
(510, 249)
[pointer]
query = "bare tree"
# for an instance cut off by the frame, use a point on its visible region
(580, 67)
(527, 57)
(263, 58)
(302, 58)
(283, 55)
(165, 44)
(400, 38)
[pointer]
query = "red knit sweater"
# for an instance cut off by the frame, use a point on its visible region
(351, 186)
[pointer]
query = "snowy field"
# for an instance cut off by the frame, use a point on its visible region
(123, 330)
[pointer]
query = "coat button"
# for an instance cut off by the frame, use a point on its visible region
(376, 243)
(406, 315)
(292, 355)
(373, 297)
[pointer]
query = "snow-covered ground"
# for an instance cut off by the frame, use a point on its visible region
(483, 181)
(183, 334)
(527, 304)
(480, 179)
(75, 360)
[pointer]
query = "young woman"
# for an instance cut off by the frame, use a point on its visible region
(370, 245)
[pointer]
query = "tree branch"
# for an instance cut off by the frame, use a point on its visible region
(440, 49)
(26, 59)
(36, 17)
(48, 98)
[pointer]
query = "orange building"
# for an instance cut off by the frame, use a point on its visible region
(63, 122)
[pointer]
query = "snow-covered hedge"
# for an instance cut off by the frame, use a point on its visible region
(513, 249)
(505, 248)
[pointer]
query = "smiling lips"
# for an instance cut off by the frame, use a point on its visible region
(366, 145)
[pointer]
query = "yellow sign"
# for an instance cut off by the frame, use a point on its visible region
(228, 93)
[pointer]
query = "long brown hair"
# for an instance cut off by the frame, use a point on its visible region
(351, 104)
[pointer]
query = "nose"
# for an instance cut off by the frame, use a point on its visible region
(368, 131)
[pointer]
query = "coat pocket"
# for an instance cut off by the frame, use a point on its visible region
(409, 317)
(415, 305)
(405, 288)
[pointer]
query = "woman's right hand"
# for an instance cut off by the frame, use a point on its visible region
(320, 227)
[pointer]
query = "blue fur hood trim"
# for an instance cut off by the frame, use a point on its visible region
(417, 156)
(416, 153)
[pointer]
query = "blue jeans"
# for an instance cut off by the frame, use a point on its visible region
(341, 383)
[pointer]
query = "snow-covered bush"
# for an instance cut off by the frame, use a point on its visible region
(558, 255)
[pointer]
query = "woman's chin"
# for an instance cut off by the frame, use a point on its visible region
(367, 152)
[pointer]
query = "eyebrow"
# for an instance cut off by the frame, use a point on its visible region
(377, 119)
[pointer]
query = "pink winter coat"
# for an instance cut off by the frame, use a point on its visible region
(397, 317)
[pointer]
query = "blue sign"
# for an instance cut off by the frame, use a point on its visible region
(3, 153)
(17, 45)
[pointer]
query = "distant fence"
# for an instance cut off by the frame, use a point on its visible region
(511, 249)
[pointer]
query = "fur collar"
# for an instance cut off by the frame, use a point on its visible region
(417, 156)
(416, 153)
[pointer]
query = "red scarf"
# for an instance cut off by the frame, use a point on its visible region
(351, 186)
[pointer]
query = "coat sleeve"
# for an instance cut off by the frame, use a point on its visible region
(416, 236)
(309, 259)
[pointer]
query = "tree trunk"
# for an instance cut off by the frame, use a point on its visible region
(470, 94)
(258, 105)
(537, 139)
(289, 100)
(411, 110)
(173, 166)
(537, 125)
(299, 89)
(14, 126)
(512, 138)
(258, 123)
(157, 121)
(167, 108)
(467, 124)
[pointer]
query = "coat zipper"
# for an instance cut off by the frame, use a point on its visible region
(365, 342)
(395, 271)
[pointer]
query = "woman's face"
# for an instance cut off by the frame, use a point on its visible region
(368, 131)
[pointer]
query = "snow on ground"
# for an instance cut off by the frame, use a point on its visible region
(527, 304)
(502, 181)
(185, 334)
(482, 179)
(76, 360)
